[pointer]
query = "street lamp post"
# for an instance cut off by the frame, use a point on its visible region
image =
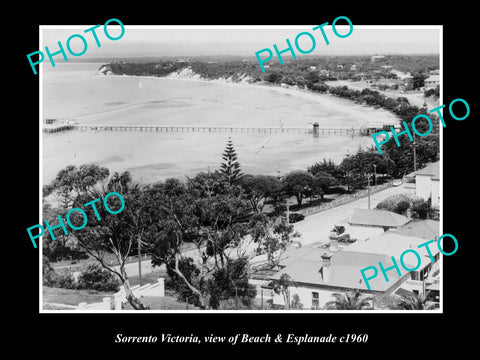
(375, 171)
(368, 179)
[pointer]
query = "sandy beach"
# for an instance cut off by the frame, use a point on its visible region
(79, 92)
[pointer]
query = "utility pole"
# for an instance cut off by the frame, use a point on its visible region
(139, 262)
(368, 177)
(414, 153)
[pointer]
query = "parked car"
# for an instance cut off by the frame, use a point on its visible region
(397, 182)
(295, 217)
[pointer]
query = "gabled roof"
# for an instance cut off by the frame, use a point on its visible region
(425, 229)
(393, 244)
(377, 217)
(432, 169)
(305, 264)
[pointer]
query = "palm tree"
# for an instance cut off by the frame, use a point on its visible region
(415, 302)
(351, 300)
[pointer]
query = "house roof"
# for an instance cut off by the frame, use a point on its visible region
(433, 78)
(377, 217)
(391, 243)
(304, 266)
(432, 169)
(425, 229)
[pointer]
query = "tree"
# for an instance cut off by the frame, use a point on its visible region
(187, 267)
(258, 188)
(351, 300)
(412, 302)
(72, 181)
(94, 277)
(325, 166)
(68, 184)
(49, 275)
(418, 80)
(298, 184)
(416, 302)
(322, 181)
(296, 304)
(271, 235)
(281, 286)
(356, 168)
(230, 168)
(114, 234)
(213, 223)
(229, 287)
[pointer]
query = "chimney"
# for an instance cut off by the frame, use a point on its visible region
(333, 241)
(408, 213)
(326, 266)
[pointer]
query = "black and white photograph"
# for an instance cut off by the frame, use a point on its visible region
(250, 182)
(243, 189)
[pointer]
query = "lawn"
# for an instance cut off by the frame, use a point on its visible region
(72, 297)
(162, 303)
(151, 277)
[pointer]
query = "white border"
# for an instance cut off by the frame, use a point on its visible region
(319, 312)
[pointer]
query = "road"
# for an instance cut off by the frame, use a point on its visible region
(313, 228)
(317, 227)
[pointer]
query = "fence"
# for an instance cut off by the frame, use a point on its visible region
(157, 289)
(119, 298)
(345, 199)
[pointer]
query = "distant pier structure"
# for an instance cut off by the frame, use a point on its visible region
(316, 130)
(54, 126)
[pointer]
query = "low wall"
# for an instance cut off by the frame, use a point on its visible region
(344, 199)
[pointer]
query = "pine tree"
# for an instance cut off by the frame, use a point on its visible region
(230, 168)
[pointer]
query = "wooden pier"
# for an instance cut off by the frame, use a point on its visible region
(204, 129)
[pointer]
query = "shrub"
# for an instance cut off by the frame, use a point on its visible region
(65, 280)
(398, 203)
(94, 277)
(49, 274)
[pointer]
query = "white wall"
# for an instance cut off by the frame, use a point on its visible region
(423, 186)
(436, 193)
(426, 187)
(305, 295)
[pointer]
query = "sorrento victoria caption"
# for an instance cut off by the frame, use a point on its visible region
(241, 187)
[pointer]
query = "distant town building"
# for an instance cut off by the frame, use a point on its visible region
(353, 67)
(339, 66)
(377, 57)
(432, 82)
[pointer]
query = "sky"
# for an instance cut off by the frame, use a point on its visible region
(141, 41)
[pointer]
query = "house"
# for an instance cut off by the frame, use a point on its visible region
(316, 273)
(427, 183)
(432, 82)
(377, 219)
(394, 244)
(425, 229)
(353, 67)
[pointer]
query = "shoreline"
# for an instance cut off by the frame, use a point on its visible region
(322, 98)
